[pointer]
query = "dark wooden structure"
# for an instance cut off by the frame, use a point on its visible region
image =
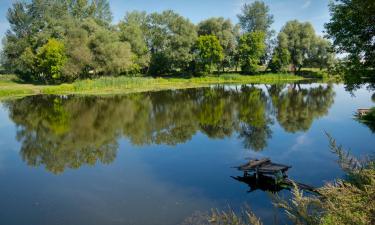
(268, 176)
(264, 167)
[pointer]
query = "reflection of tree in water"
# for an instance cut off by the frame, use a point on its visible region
(68, 132)
(253, 117)
(64, 133)
(296, 108)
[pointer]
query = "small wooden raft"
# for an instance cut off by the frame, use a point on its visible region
(263, 166)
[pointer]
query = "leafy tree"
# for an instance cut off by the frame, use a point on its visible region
(110, 55)
(133, 29)
(78, 25)
(300, 39)
(321, 54)
(171, 38)
(80, 56)
(209, 52)
(251, 48)
(83, 9)
(226, 33)
(281, 56)
(352, 29)
(255, 17)
(51, 58)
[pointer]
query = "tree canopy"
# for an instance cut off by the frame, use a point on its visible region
(352, 29)
(77, 39)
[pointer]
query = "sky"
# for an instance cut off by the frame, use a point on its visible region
(314, 11)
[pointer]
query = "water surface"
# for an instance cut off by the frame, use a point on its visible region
(161, 157)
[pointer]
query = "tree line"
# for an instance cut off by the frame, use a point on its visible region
(55, 41)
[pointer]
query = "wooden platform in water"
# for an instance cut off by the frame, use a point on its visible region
(264, 166)
(363, 112)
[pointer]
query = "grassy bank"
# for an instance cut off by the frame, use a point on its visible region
(11, 87)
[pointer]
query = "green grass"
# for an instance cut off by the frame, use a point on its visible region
(10, 87)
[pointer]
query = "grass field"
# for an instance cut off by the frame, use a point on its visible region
(11, 87)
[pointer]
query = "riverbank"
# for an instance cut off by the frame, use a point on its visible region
(12, 87)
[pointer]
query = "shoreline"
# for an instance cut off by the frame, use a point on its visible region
(10, 87)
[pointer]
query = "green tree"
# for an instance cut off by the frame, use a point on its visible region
(352, 29)
(110, 55)
(255, 17)
(51, 58)
(321, 54)
(300, 39)
(227, 34)
(171, 38)
(77, 24)
(281, 57)
(133, 29)
(209, 52)
(83, 9)
(251, 48)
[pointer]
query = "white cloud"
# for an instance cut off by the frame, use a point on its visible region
(302, 140)
(306, 4)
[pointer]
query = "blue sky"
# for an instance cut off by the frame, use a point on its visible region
(315, 11)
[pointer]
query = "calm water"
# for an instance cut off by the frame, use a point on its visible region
(158, 158)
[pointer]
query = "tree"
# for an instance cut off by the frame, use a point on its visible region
(300, 39)
(321, 54)
(352, 29)
(83, 9)
(255, 17)
(227, 34)
(133, 29)
(209, 52)
(110, 55)
(251, 48)
(77, 25)
(281, 56)
(171, 38)
(51, 58)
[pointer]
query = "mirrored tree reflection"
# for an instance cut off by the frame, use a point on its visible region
(68, 132)
(296, 108)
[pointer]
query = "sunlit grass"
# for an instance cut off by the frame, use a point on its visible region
(121, 85)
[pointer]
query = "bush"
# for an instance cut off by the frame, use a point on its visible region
(51, 58)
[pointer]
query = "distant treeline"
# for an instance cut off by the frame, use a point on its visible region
(56, 41)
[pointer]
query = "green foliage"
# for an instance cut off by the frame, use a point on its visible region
(352, 29)
(321, 54)
(255, 17)
(154, 44)
(171, 38)
(348, 201)
(281, 56)
(77, 24)
(251, 48)
(229, 217)
(300, 210)
(133, 29)
(300, 38)
(209, 52)
(50, 60)
(227, 35)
